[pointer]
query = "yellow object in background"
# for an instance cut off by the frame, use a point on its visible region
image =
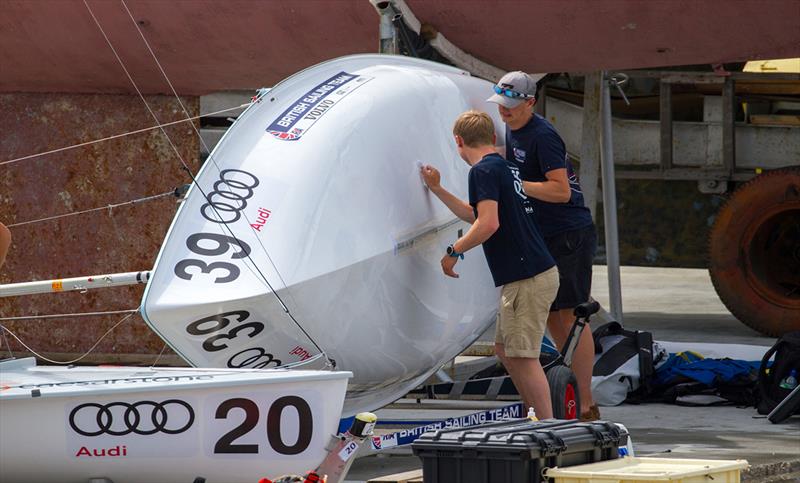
(783, 66)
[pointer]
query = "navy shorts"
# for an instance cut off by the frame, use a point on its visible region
(574, 252)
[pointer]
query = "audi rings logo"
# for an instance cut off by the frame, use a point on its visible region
(172, 416)
(229, 196)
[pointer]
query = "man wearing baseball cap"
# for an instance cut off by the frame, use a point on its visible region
(533, 144)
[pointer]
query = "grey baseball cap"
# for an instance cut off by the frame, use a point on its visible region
(517, 87)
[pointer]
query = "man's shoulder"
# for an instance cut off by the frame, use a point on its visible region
(542, 126)
(535, 129)
(490, 165)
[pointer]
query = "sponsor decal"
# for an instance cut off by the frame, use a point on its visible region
(311, 106)
(172, 416)
(519, 155)
(248, 425)
(261, 219)
(104, 382)
(116, 451)
(384, 441)
(229, 196)
(301, 352)
(407, 436)
(130, 429)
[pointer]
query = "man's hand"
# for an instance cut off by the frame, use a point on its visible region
(431, 176)
(448, 263)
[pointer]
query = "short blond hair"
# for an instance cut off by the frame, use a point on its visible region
(475, 128)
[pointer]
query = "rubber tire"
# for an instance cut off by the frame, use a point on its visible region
(564, 392)
(753, 261)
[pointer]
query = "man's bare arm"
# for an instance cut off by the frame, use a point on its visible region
(555, 190)
(482, 229)
(459, 207)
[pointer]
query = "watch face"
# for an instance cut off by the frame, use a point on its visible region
(450, 249)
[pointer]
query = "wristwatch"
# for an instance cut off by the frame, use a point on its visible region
(453, 253)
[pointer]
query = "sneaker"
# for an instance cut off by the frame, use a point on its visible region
(593, 414)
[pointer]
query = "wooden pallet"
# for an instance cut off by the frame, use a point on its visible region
(414, 476)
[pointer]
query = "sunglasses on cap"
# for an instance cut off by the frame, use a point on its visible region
(511, 94)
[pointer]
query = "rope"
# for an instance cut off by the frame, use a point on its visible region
(61, 316)
(5, 341)
(5, 329)
(138, 131)
(155, 362)
(186, 167)
(109, 208)
(163, 73)
(138, 91)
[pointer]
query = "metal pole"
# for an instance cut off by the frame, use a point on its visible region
(590, 140)
(610, 205)
(388, 34)
(77, 283)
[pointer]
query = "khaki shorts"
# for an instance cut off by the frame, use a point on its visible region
(522, 319)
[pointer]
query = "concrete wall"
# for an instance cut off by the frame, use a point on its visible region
(124, 239)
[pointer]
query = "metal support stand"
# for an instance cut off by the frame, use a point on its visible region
(342, 449)
(610, 204)
(388, 42)
(590, 141)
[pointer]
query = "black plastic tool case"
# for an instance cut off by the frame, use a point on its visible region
(514, 451)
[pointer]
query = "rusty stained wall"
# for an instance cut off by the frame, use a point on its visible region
(124, 239)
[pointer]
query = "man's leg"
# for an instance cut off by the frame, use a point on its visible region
(530, 380)
(559, 323)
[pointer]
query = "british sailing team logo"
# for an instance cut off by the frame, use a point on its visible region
(311, 106)
(172, 416)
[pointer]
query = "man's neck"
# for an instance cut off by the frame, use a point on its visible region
(474, 155)
(521, 122)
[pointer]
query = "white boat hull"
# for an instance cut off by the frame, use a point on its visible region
(166, 425)
(310, 230)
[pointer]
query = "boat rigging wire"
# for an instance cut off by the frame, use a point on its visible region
(108, 207)
(91, 349)
(213, 161)
(329, 361)
(155, 362)
(5, 341)
(61, 316)
(121, 135)
(138, 91)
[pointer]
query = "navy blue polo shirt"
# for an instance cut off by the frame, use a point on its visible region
(536, 148)
(516, 251)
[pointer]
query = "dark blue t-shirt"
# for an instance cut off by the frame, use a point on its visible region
(536, 148)
(516, 251)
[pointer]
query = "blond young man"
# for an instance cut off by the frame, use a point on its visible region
(514, 249)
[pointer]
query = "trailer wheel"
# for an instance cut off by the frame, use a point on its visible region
(564, 392)
(754, 252)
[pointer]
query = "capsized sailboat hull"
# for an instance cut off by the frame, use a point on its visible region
(133, 424)
(310, 230)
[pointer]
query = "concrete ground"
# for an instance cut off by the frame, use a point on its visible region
(677, 305)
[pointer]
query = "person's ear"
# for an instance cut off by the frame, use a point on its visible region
(459, 141)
